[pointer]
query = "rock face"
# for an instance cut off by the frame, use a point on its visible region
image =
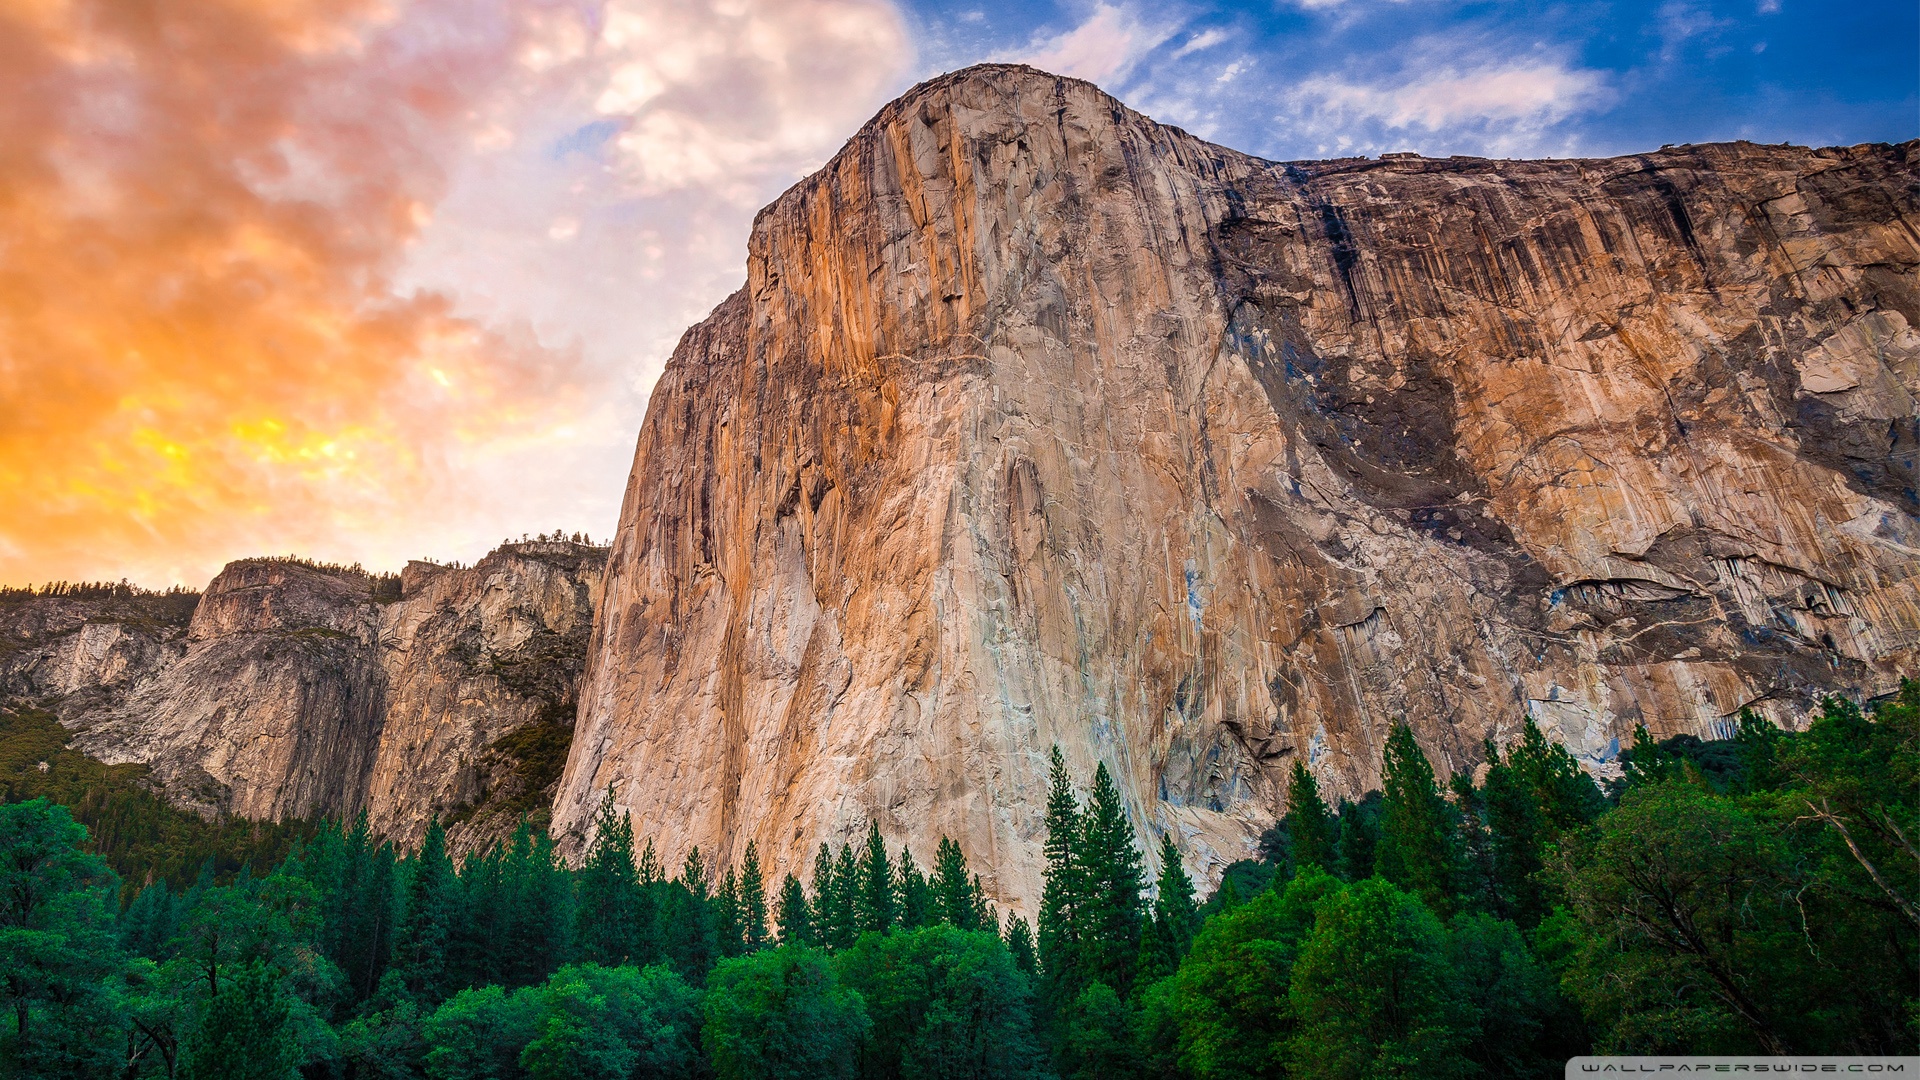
(1039, 423)
(294, 691)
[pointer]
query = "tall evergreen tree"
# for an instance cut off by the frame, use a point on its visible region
(536, 912)
(1417, 849)
(955, 892)
(1176, 917)
(877, 913)
(692, 936)
(914, 901)
(753, 902)
(820, 910)
(796, 915)
(1359, 837)
(726, 916)
(606, 906)
(1019, 940)
(422, 948)
(1309, 822)
(1063, 895)
(845, 925)
(1113, 875)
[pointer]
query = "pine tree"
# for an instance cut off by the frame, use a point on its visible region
(726, 916)
(1308, 821)
(693, 942)
(433, 913)
(877, 914)
(914, 900)
(1417, 849)
(796, 917)
(955, 892)
(1113, 876)
(753, 902)
(845, 927)
(1063, 894)
(1020, 945)
(606, 911)
(1175, 917)
(821, 909)
(1359, 837)
(536, 910)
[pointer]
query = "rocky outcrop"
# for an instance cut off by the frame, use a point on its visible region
(298, 690)
(1039, 423)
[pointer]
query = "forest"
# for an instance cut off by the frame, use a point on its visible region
(1750, 895)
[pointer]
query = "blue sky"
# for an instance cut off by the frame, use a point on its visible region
(1298, 80)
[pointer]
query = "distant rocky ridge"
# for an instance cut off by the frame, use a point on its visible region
(292, 689)
(1037, 422)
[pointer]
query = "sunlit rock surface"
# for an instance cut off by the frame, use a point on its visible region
(294, 692)
(1039, 423)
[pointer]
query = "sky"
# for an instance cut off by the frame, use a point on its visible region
(372, 280)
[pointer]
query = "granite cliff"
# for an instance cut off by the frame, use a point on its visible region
(1038, 423)
(293, 690)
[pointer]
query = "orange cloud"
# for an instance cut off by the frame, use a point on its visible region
(202, 208)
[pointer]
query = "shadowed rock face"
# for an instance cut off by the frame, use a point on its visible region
(293, 692)
(1039, 423)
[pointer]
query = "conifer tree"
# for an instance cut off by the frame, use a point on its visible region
(1417, 847)
(956, 893)
(820, 910)
(433, 915)
(1309, 822)
(796, 916)
(914, 901)
(536, 915)
(753, 902)
(877, 913)
(606, 889)
(1062, 896)
(693, 941)
(1113, 878)
(1175, 917)
(845, 926)
(726, 916)
(1020, 945)
(1359, 838)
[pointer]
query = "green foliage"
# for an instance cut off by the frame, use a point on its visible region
(1310, 824)
(600, 1023)
(1373, 993)
(1169, 935)
(781, 1013)
(943, 1002)
(753, 902)
(607, 896)
(1417, 831)
(57, 946)
(1098, 1042)
(1112, 874)
(246, 1032)
(480, 1034)
(432, 914)
(138, 834)
(914, 898)
(796, 917)
(877, 912)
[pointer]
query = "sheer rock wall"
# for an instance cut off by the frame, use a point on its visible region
(292, 692)
(1040, 423)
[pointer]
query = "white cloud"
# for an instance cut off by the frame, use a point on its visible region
(1206, 40)
(1475, 102)
(1102, 49)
